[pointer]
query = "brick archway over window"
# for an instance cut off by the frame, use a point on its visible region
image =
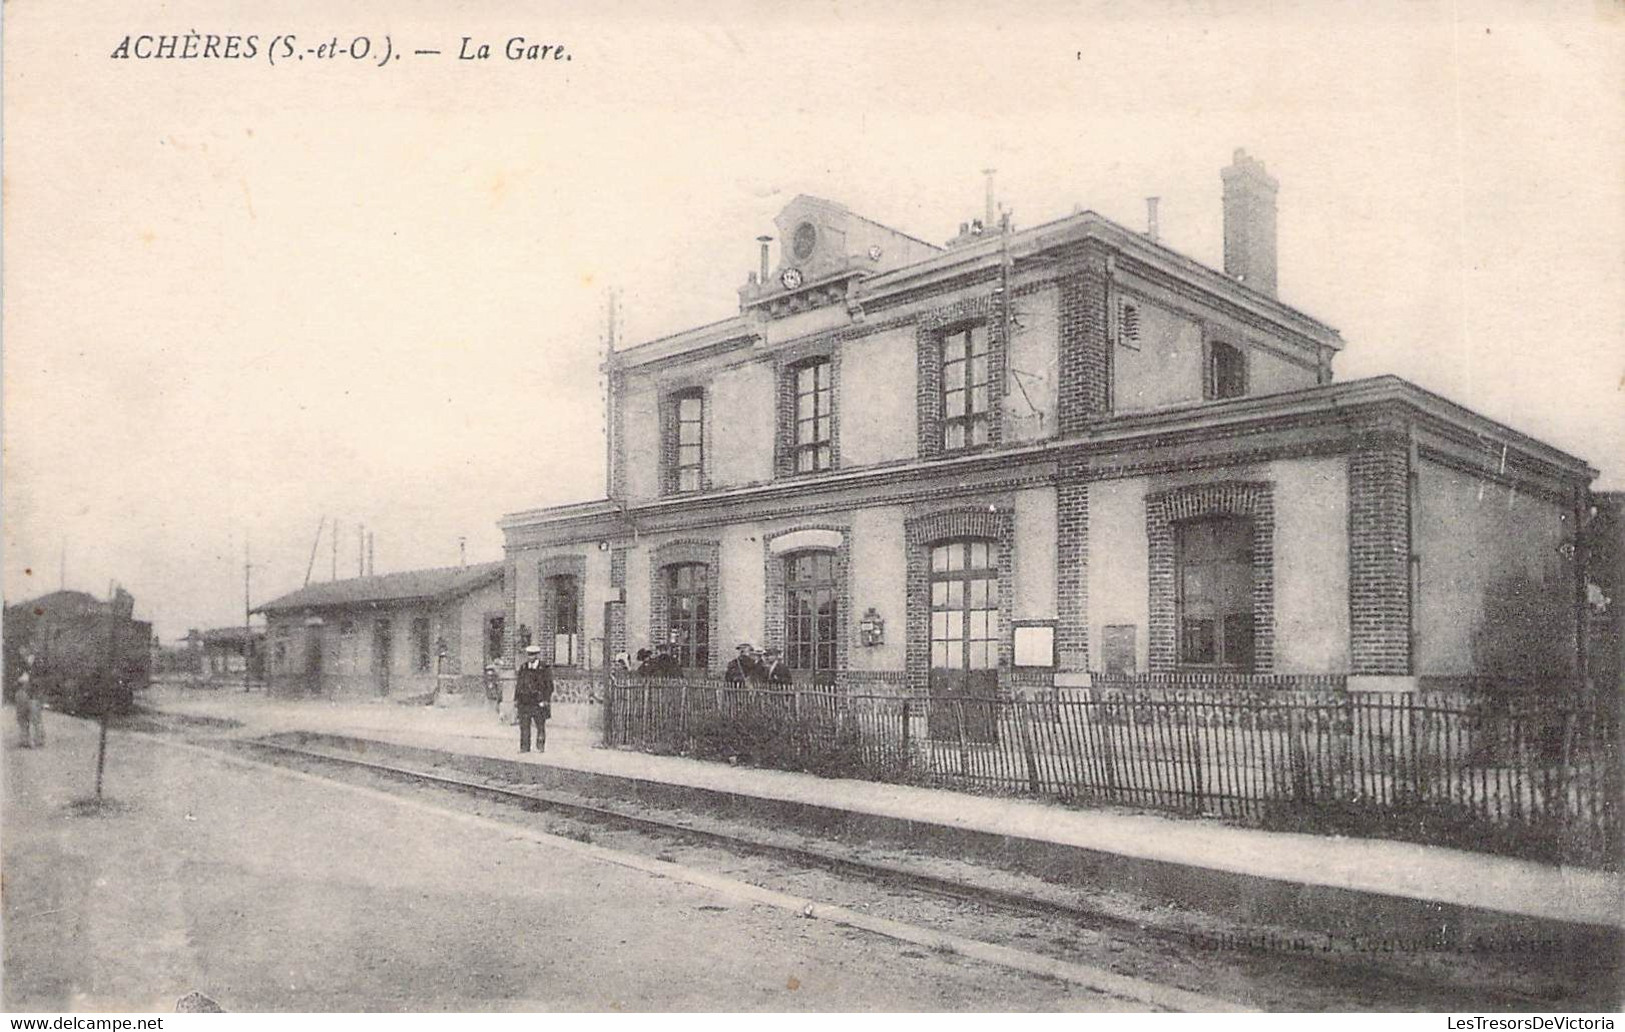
(989, 523)
(1254, 500)
(546, 629)
(708, 553)
(774, 556)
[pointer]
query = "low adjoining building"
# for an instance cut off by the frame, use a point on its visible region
(391, 635)
(1058, 455)
(227, 654)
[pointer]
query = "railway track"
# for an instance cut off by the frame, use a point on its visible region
(1367, 981)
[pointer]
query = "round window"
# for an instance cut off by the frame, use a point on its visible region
(806, 239)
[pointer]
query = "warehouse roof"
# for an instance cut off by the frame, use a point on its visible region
(442, 582)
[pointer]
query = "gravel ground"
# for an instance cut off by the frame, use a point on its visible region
(1136, 936)
(1125, 934)
(274, 894)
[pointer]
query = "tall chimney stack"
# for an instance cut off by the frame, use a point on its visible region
(1249, 223)
(1151, 218)
(764, 241)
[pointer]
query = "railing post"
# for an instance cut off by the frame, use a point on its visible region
(1034, 784)
(683, 723)
(907, 721)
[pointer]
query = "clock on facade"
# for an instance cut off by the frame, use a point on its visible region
(791, 278)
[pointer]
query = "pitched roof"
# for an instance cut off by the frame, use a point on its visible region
(58, 599)
(227, 634)
(389, 587)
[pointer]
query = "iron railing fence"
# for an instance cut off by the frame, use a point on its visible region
(1529, 774)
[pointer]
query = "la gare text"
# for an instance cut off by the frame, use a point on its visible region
(518, 48)
(196, 45)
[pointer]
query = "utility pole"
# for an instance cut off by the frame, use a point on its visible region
(248, 635)
(335, 537)
(314, 545)
(109, 685)
(609, 394)
(360, 549)
(370, 568)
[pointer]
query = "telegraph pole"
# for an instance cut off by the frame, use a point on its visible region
(310, 567)
(609, 395)
(248, 635)
(109, 684)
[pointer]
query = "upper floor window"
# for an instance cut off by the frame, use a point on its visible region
(688, 434)
(1226, 371)
(1214, 574)
(814, 404)
(965, 388)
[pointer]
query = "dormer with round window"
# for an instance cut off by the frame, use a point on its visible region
(823, 248)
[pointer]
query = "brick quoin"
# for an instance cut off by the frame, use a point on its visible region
(1072, 569)
(1379, 557)
(1085, 355)
(615, 622)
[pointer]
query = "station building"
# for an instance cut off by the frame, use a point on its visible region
(1062, 455)
(391, 635)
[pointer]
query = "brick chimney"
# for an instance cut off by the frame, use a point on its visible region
(1249, 223)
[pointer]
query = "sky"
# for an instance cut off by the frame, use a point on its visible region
(242, 299)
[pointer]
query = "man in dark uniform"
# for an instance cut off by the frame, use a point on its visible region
(533, 698)
(775, 671)
(741, 667)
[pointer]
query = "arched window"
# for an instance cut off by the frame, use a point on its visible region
(688, 609)
(810, 618)
(1214, 564)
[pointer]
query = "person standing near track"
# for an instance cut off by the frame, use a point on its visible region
(533, 698)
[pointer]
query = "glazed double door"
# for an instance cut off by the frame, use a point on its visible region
(965, 636)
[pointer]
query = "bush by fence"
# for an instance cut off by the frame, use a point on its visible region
(1532, 774)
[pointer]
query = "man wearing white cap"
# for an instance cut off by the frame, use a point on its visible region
(533, 698)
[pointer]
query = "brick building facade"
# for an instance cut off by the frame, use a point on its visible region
(1053, 455)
